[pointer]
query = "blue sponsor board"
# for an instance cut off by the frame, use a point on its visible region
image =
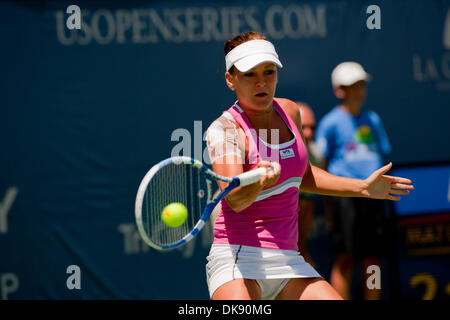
(423, 237)
(423, 257)
(431, 192)
(424, 278)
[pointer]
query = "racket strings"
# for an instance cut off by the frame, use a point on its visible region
(173, 183)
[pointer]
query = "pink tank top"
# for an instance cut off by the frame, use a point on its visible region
(272, 220)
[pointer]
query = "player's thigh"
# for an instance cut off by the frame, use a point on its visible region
(308, 289)
(238, 289)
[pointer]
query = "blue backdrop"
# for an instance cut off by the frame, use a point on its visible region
(85, 113)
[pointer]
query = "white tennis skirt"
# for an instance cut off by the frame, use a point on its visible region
(228, 262)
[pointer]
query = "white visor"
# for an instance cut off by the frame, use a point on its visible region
(251, 53)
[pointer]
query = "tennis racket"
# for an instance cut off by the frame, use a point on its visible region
(184, 180)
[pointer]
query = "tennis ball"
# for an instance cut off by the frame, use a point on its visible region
(174, 214)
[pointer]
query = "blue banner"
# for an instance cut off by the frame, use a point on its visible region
(86, 112)
(431, 192)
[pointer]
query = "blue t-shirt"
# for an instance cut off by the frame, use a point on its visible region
(353, 145)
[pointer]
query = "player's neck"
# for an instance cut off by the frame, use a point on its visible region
(352, 108)
(259, 117)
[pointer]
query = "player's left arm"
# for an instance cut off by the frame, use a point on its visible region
(377, 185)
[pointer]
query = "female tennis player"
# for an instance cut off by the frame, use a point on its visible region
(254, 254)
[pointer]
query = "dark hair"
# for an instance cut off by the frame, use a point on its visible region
(239, 39)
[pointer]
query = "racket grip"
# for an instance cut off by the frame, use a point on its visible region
(250, 177)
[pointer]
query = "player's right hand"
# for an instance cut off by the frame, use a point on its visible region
(273, 173)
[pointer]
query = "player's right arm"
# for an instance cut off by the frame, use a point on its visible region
(227, 149)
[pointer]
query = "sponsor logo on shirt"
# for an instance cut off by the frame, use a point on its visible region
(363, 145)
(287, 153)
(364, 135)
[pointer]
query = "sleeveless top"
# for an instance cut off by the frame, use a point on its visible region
(271, 221)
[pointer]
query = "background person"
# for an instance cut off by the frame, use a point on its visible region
(353, 141)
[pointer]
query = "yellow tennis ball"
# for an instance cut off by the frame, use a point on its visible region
(174, 214)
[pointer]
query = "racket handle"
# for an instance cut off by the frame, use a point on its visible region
(250, 177)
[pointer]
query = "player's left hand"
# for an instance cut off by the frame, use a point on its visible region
(381, 186)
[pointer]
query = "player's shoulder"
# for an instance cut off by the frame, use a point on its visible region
(224, 122)
(290, 107)
(287, 104)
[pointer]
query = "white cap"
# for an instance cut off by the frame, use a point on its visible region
(250, 54)
(347, 73)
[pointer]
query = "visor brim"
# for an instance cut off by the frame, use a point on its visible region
(247, 63)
